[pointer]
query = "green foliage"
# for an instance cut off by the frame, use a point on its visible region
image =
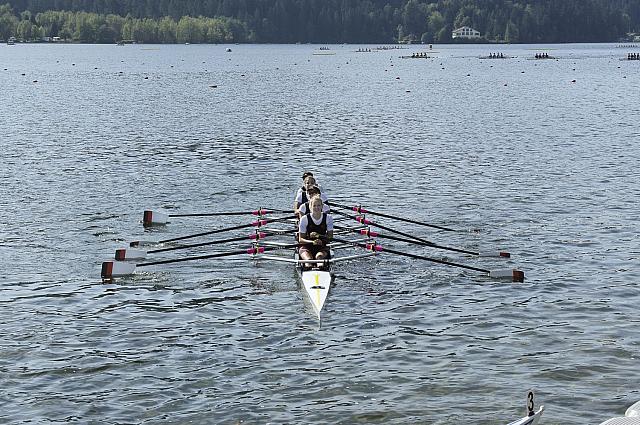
(319, 21)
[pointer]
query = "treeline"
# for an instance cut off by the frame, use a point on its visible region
(318, 21)
(87, 27)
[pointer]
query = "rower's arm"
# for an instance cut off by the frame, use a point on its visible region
(305, 239)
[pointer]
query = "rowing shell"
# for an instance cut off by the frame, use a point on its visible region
(530, 420)
(316, 282)
(316, 285)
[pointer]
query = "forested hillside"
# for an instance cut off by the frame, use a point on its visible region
(318, 21)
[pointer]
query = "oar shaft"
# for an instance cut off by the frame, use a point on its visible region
(371, 223)
(210, 232)
(227, 229)
(256, 236)
(361, 210)
(216, 214)
(379, 248)
(431, 244)
(433, 260)
(250, 251)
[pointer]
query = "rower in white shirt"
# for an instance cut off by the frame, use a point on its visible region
(301, 194)
(315, 231)
(311, 192)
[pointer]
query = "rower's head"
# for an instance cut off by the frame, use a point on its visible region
(306, 174)
(313, 191)
(309, 181)
(315, 205)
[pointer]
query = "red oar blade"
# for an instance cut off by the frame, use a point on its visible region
(514, 275)
(130, 254)
(112, 269)
(153, 218)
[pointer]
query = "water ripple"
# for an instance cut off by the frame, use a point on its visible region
(510, 152)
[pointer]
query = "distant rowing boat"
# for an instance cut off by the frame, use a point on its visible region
(496, 57)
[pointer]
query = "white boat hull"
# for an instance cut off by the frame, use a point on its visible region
(529, 420)
(316, 285)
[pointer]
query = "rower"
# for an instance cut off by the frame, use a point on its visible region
(312, 192)
(309, 174)
(301, 194)
(315, 231)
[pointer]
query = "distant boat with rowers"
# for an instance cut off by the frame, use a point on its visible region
(11, 41)
(542, 56)
(631, 57)
(323, 51)
(495, 56)
(419, 55)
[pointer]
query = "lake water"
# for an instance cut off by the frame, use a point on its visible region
(538, 157)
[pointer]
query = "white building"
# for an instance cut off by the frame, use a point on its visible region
(465, 32)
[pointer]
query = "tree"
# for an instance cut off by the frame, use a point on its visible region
(23, 31)
(8, 22)
(414, 19)
(321, 20)
(435, 22)
(189, 31)
(511, 33)
(167, 29)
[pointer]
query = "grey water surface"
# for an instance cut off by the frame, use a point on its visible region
(537, 157)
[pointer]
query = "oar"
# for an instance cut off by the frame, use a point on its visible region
(513, 274)
(150, 218)
(112, 269)
(371, 234)
(140, 254)
(361, 210)
(367, 222)
(258, 223)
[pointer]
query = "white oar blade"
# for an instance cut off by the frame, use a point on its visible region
(152, 218)
(130, 254)
(490, 253)
(514, 275)
(117, 269)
